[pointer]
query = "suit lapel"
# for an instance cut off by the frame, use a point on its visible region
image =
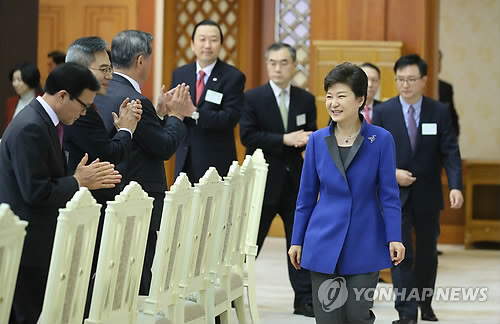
(425, 117)
(333, 149)
(292, 113)
(354, 150)
(191, 81)
(52, 131)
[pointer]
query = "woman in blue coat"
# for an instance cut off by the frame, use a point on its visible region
(348, 216)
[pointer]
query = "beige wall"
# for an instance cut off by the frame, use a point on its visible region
(470, 41)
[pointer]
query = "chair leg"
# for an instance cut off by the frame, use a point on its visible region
(224, 317)
(240, 310)
(251, 290)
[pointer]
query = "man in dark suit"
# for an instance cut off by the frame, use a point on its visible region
(424, 143)
(157, 135)
(278, 118)
(217, 92)
(446, 96)
(88, 134)
(373, 73)
(33, 178)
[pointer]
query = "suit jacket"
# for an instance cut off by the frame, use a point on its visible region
(89, 135)
(154, 141)
(446, 96)
(432, 152)
(261, 126)
(211, 141)
(347, 230)
(33, 180)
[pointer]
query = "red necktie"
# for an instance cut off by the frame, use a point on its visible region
(367, 114)
(200, 85)
(60, 132)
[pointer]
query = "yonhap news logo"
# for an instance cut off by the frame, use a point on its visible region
(332, 294)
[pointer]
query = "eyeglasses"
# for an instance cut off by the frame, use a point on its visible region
(104, 69)
(81, 103)
(409, 80)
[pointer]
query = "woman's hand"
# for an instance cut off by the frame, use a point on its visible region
(295, 252)
(397, 250)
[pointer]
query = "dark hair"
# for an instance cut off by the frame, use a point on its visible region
(351, 75)
(128, 45)
(411, 59)
(370, 65)
(29, 74)
(208, 22)
(72, 77)
(82, 50)
(280, 45)
(57, 56)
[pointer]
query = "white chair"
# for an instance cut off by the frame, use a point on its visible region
(197, 270)
(225, 282)
(257, 197)
(121, 257)
(71, 260)
(163, 296)
(12, 233)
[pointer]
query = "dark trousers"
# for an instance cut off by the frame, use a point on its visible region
(29, 294)
(285, 207)
(344, 299)
(418, 269)
(154, 226)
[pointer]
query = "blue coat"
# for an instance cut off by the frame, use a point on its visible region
(347, 230)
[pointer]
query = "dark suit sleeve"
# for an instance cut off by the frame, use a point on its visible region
(453, 114)
(388, 189)
(227, 114)
(449, 150)
(251, 133)
(30, 158)
(159, 139)
(377, 117)
(91, 137)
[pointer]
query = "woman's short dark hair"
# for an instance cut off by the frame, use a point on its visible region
(208, 22)
(411, 59)
(351, 75)
(29, 74)
(72, 77)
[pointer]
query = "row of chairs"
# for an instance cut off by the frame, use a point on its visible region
(204, 258)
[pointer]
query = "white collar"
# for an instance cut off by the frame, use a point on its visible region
(277, 90)
(52, 114)
(134, 83)
(207, 69)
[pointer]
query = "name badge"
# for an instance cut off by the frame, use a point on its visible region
(213, 97)
(301, 119)
(429, 129)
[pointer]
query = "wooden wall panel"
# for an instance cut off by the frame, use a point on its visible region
(327, 54)
(415, 23)
(63, 21)
(50, 34)
(18, 43)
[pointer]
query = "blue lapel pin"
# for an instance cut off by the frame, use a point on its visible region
(372, 138)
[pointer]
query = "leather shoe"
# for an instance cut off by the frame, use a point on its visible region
(304, 309)
(404, 320)
(427, 314)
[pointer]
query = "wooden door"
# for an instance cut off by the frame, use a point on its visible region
(62, 21)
